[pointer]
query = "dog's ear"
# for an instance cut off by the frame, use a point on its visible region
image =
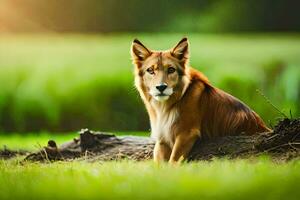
(181, 50)
(138, 51)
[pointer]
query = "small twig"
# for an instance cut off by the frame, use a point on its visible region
(295, 148)
(43, 149)
(295, 136)
(282, 145)
(271, 137)
(294, 143)
(46, 154)
(269, 102)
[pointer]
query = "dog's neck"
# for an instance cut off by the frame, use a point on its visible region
(162, 106)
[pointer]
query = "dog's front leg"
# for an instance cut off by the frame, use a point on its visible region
(161, 152)
(182, 147)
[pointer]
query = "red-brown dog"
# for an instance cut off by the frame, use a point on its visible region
(183, 105)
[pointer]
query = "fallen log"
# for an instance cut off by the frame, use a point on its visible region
(6, 153)
(283, 143)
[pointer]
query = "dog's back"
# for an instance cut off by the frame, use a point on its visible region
(223, 114)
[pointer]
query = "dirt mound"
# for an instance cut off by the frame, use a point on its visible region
(281, 144)
(284, 140)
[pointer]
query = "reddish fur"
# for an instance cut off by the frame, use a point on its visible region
(214, 111)
(221, 113)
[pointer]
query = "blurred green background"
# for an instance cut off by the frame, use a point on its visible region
(65, 65)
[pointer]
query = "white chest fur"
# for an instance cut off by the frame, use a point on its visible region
(161, 127)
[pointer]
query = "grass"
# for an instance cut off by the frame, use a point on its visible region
(219, 179)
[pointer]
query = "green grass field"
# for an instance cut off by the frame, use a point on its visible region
(219, 179)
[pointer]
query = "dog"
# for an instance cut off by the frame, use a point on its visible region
(182, 104)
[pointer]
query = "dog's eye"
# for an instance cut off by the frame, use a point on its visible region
(171, 70)
(150, 70)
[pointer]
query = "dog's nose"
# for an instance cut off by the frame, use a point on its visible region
(161, 87)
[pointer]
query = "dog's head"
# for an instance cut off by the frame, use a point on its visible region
(161, 74)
